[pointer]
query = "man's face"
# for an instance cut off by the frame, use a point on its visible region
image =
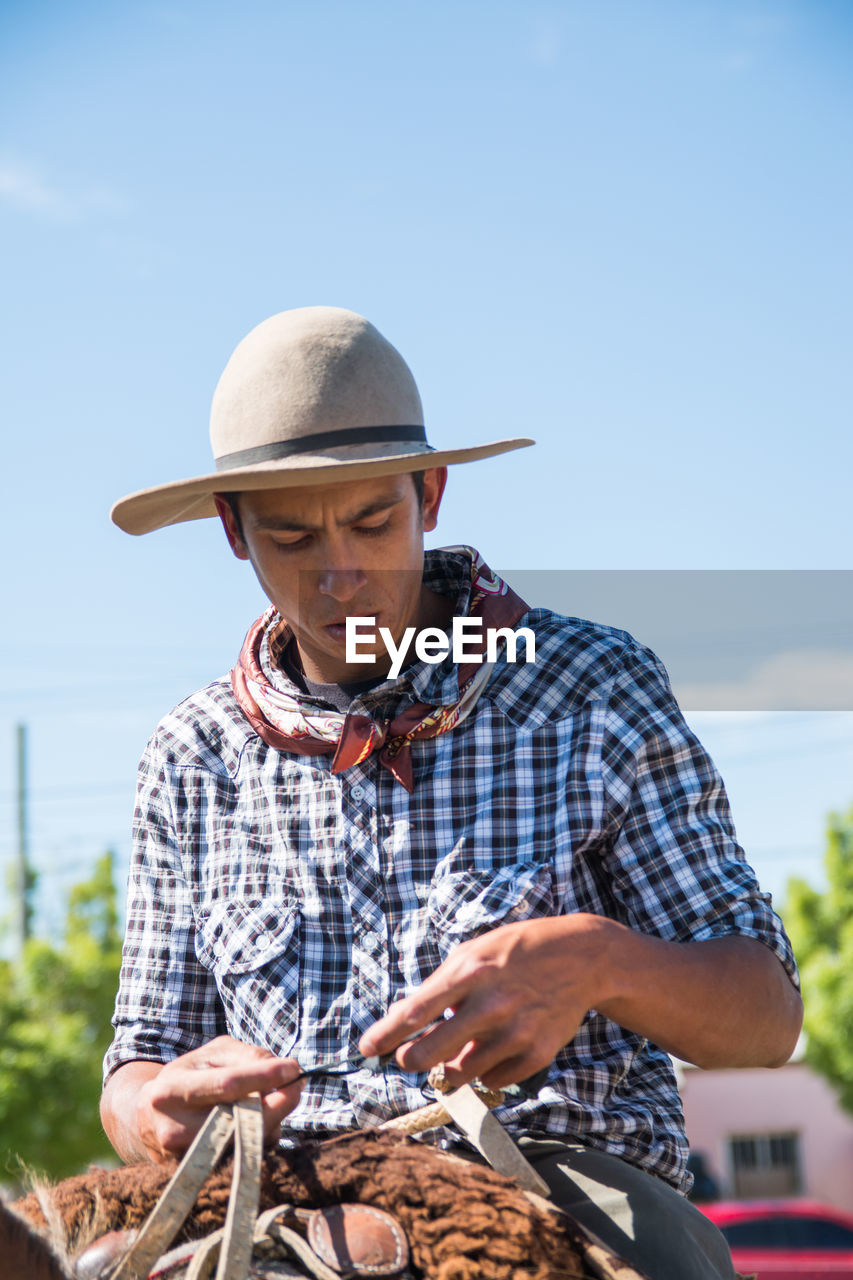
(328, 552)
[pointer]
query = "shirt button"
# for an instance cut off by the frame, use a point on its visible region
(357, 793)
(218, 949)
(371, 941)
(262, 941)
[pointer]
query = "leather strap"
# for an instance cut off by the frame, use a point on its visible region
(269, 1228)
(174, 1205)
(205, 1257)
(236, 1253)
(491, 1139)
(230, 1249)
(359, 1240)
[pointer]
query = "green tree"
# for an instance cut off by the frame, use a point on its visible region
(55, 1008)
(821, 928)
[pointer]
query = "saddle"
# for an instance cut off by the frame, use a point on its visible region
(366, 1203)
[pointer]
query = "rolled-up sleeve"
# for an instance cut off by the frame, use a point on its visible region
(167, 1002)
(676, 867)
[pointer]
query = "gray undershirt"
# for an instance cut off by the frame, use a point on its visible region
(337, 696)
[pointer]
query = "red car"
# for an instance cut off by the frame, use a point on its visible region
(786, 1239)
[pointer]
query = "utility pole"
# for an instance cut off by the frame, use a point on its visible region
(22, 876)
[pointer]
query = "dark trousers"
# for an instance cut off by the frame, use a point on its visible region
(638, 1216)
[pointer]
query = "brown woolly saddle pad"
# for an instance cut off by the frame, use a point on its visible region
(463, 1221)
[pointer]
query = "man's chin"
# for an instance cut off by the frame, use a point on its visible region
(329, 656)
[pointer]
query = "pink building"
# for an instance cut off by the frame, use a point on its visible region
(774, 1132)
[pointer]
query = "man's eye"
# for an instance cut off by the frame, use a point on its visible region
(373, 530)
(292, 546)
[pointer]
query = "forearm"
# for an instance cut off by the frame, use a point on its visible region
(724, 1002)
(520, 992)
(119, 1109)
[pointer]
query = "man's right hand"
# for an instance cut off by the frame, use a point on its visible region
(152, 1111)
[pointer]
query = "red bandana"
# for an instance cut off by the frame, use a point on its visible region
(282, 722)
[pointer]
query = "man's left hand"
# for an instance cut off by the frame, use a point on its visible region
(518, 994)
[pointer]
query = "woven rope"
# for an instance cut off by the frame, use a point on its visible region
(435, 1114)
(419, 1121)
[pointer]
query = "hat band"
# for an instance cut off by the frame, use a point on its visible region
(319, 440)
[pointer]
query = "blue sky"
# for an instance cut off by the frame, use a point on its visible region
(621, 228)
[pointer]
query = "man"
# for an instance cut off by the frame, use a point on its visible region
(508, 867)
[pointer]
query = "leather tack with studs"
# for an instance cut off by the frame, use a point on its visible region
(358, 1240)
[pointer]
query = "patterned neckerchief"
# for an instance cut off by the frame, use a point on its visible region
(281, 720)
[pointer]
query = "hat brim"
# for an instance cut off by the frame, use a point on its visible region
(166, 504)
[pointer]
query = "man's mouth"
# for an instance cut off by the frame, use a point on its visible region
(337, 630)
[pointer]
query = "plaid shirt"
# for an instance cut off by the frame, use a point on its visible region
(288, 907)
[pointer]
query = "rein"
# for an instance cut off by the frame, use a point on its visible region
(232, 1248)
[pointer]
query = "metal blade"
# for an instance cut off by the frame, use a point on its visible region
(340, 1067)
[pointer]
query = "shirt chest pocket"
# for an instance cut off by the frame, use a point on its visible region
(252, 948)
(463, 904)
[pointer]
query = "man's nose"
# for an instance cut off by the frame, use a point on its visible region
(341, 584)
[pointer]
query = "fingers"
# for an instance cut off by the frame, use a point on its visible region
(497, 1052)
(475, 981)
(481, 1002)
(496, 1066)
(174, 1103)
(491, 1034)
(205, 1087)
(231, 1058)
(276, 1106)
(408, 1017)
(515, 1003)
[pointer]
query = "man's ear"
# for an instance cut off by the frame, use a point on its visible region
(435, 478)
(229, 524)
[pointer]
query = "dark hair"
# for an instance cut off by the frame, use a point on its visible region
(233, 500)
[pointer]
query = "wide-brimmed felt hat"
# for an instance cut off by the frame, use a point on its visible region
(310, 396)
